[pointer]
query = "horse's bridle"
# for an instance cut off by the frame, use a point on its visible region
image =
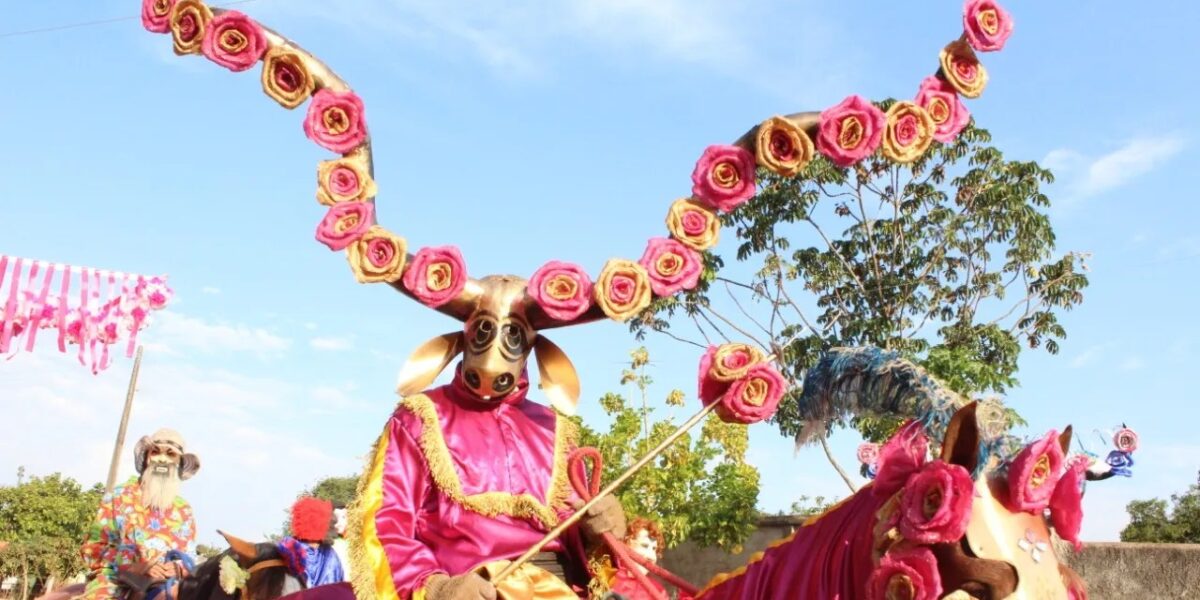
(256, 567)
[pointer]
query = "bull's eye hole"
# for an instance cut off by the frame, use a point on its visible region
(483, 331)
(503, 383)
(513, 338)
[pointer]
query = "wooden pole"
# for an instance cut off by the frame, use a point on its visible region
(116, 457)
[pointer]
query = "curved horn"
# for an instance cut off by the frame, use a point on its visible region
(460, 307)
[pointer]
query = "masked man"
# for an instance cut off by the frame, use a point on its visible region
(308, 551)
(470, 475)
(144, 535)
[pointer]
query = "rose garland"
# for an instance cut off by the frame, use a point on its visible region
(723, 177)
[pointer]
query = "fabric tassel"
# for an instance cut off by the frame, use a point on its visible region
(24, 311)
(36, 323)
(83, 315)
(137, 321)
(10, 307)
(63, 290)
(94, 321)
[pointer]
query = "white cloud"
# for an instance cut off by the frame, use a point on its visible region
(176, 333)
(208, 289)
(1132, 363)
(332, 344)
(1091, 176)
(1089, 356)
(310, 326)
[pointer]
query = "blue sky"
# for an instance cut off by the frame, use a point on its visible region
(553, 130)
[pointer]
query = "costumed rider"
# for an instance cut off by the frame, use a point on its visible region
(470, 475)
(340, 545)
(644, 538)
(309, 552)
(143, 539)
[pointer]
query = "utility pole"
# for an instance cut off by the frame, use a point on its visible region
(116, 458)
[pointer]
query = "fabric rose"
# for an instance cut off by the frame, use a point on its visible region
(941, 101)
(1066, 509)
(562, 290)
(753, 398)
(909, 132)
(377, 256)
(962, 69)
(693, 224)
(75, 326)
(344, 180)
(722, 365)
(234, 41)
(936, 504)
(189, 20)
(782, 147)
(986, 24)
(1126, 440)
(156, 15)
(108, 331)
(344, 223)
(671, 265)
(724, 177)
(436, 275)
(1033, 474)
(623, 289)
(899, 457)
(336, 121)
(850, 131)
(154, 293)
(285, 77)
(906, 575)
(868, 453)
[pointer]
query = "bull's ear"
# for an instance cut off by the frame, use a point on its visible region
(428, 362)
(557, 377)
(1064, 440)
(961, 444)
(243, 549)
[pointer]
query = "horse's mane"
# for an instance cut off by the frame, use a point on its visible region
(203, 584)
(829, 556)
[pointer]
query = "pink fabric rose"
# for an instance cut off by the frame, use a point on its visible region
(868, 453)
(75, 326)
(850, 131)
(344, 223)
(1034, 473)
(436, 275)
(986, 24)
(155, 293)
(754, 397)
(936, 504)
(1066, 508)
(1126, 440)
(156, 15)
(907, 575)
(724, 177)
(900, 457)
(336, 120)
(562, 290)
(108, 331)
(672, 266)
(941, 101)
(722, 365)
(234, 41)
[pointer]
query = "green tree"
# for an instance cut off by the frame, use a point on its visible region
(44, 519)
(806, 506)
(701, 488)
(206, 552)
(949, 260)
(1156, 521)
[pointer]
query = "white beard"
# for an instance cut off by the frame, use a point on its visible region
(160, 489)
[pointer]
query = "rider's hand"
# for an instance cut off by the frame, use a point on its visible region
(468, 586)
(161, 571)
(606, 516)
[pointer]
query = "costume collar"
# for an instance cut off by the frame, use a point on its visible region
(462, 395)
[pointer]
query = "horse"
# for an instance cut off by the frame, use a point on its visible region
(977, 521)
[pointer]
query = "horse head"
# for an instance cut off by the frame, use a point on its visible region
(500, 330)
(266, 574)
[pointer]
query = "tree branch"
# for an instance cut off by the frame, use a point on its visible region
(838, 467)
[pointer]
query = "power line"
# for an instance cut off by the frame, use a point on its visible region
(97, 22)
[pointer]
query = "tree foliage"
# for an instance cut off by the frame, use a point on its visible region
(949, 260)
(45, 519)
(1177, 522)
(700, 488)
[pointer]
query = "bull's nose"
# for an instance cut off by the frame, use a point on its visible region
(503, 383)
(471, 376)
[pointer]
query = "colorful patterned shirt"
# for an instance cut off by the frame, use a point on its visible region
(127, 532)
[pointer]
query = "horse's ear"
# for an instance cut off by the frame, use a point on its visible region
(427, 362)
(1064, 440)
(961, 444)
(557, 377)
(243, 549)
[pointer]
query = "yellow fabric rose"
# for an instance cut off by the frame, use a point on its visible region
(782, 147)
(189, 21)
(910, 130)
(962, 69)
(732, 361)
(623, 289)
(286, 78)
(693, 224)
(378, 256)
(344, 180)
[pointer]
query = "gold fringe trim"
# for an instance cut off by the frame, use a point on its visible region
(491, 504)
(371, 575)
